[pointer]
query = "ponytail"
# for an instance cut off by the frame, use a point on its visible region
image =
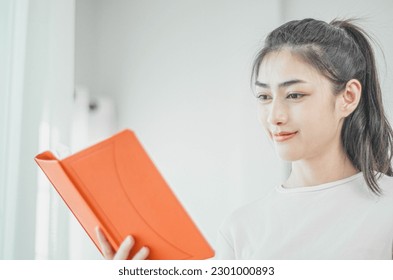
(366, 135)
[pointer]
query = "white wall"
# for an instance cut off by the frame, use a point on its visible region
(179, 71)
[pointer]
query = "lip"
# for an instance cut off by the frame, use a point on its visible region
(283, 136)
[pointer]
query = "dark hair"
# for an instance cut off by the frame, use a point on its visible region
(341, 51)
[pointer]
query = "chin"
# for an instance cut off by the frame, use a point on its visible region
(288, 155)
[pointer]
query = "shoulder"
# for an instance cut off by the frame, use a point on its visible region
(386, 181)
(386, 184)
(381, 205)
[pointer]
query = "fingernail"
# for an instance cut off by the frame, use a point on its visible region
(144, 250)
(128, 240)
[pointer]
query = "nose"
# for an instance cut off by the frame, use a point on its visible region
(278, 113)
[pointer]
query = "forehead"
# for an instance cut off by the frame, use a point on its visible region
(284, 65)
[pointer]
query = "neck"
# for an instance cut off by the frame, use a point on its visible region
(323, 169)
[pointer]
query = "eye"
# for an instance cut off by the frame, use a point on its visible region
(263, 97)
(295, 95)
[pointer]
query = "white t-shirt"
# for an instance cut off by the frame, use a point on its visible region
(337, 220)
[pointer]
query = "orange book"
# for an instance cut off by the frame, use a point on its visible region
(115, 185)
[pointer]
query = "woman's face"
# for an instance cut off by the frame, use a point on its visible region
(297, 107)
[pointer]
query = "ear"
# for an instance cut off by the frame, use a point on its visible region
(350, 97)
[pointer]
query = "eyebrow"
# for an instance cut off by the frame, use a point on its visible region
(280, 85)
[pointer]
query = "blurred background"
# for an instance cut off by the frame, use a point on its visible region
(177, 72)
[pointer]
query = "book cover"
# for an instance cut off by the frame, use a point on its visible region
(115, 185)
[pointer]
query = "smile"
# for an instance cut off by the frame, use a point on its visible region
(283, 136)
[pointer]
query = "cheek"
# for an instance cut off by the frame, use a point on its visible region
(263, 117)
(319, 125)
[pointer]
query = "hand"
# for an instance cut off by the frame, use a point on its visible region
(124, 249)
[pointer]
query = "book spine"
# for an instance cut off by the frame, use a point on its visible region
(73, 198)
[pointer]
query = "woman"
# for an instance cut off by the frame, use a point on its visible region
(320, 103)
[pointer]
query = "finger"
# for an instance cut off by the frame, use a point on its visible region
(124, 249)
(142, 254)
(106, 248)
